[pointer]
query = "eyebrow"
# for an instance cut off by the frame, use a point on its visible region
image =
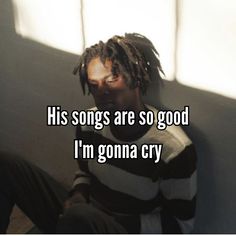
(105, 77)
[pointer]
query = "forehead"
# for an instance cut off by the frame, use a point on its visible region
(97, 70)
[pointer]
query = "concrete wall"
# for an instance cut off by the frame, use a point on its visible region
(33, 76)
(212, 130)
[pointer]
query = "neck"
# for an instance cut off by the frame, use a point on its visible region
(130, 132)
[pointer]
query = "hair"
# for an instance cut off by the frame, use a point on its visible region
(133, 56)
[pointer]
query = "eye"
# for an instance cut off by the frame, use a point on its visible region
(112, 79)
(93, 86)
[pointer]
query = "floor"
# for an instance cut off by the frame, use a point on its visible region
(19, 223)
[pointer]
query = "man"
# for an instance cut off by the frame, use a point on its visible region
(140, 195)
(119, 196)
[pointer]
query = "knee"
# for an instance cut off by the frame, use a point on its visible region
(11, 161)
(9, 166)
(7, 163)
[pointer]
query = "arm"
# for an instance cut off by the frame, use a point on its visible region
(81, 183)
(177, 196)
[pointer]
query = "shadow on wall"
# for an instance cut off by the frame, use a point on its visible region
(212, 130)
(33, 76)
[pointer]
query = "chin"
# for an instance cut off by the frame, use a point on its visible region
(106, 107)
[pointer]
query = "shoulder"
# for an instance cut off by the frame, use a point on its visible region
(173, 138)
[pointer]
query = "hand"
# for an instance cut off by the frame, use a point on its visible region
(74, 199)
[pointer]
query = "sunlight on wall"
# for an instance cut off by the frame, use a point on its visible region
(207, 46)
(153, 18)
(51, 22)
(206, 43)
(58, 23)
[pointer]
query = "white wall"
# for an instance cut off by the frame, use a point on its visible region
(206, 45)
(58, 24)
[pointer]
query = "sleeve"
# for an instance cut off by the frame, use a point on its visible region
(81, 182)
(177, 195)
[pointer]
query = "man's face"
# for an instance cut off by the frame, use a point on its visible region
(110, 92)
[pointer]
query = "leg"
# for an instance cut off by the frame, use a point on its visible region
(5, 209)
(86, 219)
(38, 195)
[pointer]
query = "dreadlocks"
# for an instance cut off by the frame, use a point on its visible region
(133, 56)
